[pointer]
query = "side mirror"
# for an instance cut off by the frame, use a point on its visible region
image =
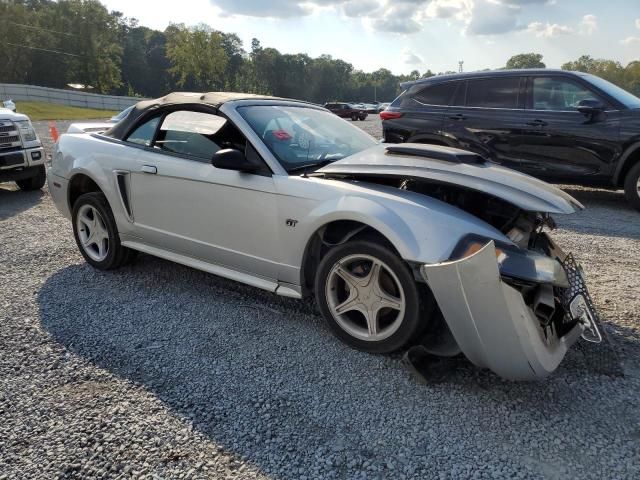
(232, 159)
(590, 106)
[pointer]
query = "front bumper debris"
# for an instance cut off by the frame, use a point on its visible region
(491, 322)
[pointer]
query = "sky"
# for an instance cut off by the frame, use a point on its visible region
(406, 35)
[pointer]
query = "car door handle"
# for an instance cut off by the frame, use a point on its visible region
(537, 123)
(149, 169)
(458, 116)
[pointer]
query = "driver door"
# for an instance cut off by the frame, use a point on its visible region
(181, 203)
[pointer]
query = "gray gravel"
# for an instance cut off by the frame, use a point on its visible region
(160, 371)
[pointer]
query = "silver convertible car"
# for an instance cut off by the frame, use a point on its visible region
(401, 245)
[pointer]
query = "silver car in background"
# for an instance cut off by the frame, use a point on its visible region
(399, 244)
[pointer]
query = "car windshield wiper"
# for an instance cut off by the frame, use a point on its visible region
(307, 166)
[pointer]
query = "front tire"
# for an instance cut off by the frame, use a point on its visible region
(632, 186)
(368, 297)
(33, 183)
(96, 233)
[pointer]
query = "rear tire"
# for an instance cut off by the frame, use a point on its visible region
(362, 276)
(96, 233)
(632, 186)
(354, 117)
(33, 183)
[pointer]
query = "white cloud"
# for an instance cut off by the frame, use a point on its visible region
(402, 16)
(459, 9)
(492, 18)
(396, 25)
(259, 8)
(475, 17)
(589, 24)
(630, 41)
(361, 8)
(411, 58)
(519, 3)
(548, 30)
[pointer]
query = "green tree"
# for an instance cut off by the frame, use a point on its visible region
(198, 59)
(525, 60)
(632, 77)
(607, 69)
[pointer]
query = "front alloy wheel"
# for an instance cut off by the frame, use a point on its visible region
(365, 297)
(96, 233)
(369, 298)
(92, 233)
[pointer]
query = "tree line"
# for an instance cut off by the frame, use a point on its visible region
(57, 43)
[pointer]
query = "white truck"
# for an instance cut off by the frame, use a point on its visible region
(21, 154)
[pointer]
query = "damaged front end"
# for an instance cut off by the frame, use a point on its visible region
(514, 312)
(514, 302)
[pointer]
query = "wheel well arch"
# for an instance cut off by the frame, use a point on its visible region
(629, 159)
(80, 184)
(331, 234)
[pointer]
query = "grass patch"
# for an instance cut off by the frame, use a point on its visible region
(52, 111)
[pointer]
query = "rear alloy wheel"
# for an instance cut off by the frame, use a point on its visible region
(33, 183)
(368, 297)
(632, 186)
(96, 234)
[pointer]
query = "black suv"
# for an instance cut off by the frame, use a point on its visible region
(563, 127)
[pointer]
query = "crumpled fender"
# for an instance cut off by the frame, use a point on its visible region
(421, 228)
(489, 320)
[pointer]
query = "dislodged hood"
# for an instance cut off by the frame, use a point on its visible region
(455, 167)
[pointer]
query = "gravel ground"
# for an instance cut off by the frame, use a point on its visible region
(160, 371)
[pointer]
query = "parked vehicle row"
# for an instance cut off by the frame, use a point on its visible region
(347, 110)
(563, 127)
(285, 196)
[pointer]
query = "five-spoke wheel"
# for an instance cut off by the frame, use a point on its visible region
(368, 296)
(96, 233)
(365, 297)
(92, 231)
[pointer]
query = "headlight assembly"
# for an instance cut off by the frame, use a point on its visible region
(27, 132)
(515, 262)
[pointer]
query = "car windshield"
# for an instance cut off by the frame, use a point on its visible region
(301, 137)
(620, 94)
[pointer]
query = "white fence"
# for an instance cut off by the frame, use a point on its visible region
(31, 93)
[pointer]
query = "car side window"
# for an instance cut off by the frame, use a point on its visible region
(439, 94)
(197, 134)
(559, 94)
(500, 92)
(143, 135)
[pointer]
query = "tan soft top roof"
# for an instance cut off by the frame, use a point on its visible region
(213, 99)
